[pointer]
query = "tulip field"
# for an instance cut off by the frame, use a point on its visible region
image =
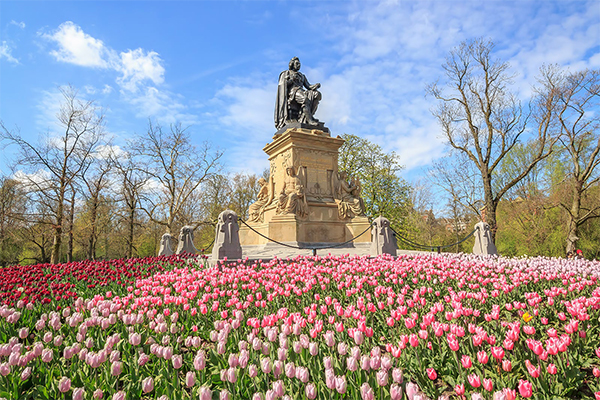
(420, 326)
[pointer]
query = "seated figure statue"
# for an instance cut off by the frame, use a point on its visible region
(297, 100)
(347, 197)
(256, 209)
(291, 198)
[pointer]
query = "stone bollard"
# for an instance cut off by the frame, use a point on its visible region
(227, 238)
(483, 240)
(165, 245)
(383, 239)
(186, 240)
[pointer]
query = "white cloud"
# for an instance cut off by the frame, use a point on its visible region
(164, 105)
(141, 72)
(249, 106)
(40, 179)
(106, 151)
(77, 47)
(139, 66)
(89, 89)
(18, 24)
(6, 52)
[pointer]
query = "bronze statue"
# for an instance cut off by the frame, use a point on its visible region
(297, 100)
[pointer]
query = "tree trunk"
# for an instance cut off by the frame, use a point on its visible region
(92, 238)
(71, 227)
(573, 224)
(57, 241)
(131, 229)
(490, 205)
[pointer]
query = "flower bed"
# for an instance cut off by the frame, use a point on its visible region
(421, 326)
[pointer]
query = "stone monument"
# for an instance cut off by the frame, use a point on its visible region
(165, 245)
(383, 239)
(306, 200)
(186, 240)
(483, 240)
(227, 240)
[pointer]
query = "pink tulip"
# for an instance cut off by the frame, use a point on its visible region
(474, 380)
(47, 355)
(224, 395)
(290, 370)
(525, 388)
(148, 384)
(252, 370)
(466, 361)
(396, 392)
(190, 379)
(78, 393)
(98, 394)
(120, 395)
(64, 385)
(482, 357)
(382, 377)
(205, 393)
(366, 392)
(25, 374)
(311, 391)
(116, 368)
(488, 384)
(431, 374)
(177, 361)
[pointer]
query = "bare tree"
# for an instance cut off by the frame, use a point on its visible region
(53, 164)
(576, 104)
(244, 189)
(96, 180)
(176, 170)
(12, 212)
(131, 185)
(482, 119)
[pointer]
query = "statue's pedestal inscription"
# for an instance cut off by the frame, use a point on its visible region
(308, 201)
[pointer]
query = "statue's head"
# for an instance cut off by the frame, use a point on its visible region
(295, 64)
(290, 171)
(343, 175)
(262, 181)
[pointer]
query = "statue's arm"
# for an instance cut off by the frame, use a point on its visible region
(309, 86)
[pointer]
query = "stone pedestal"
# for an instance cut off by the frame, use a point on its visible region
(313, 154)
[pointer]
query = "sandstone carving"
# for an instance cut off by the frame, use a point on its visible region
(292, 199)
(483, 239)
(347, 196)
(165, 245)
(227, 239)
(186, 240)
(265, 197)
(383, 239)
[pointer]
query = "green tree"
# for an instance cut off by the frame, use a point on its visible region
(383, 191)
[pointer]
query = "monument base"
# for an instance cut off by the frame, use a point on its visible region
(313, 155)
(292, 231)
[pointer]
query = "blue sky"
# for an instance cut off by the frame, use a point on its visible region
(213, 65)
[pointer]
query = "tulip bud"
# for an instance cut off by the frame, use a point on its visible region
(148, 384)
(64, 385)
